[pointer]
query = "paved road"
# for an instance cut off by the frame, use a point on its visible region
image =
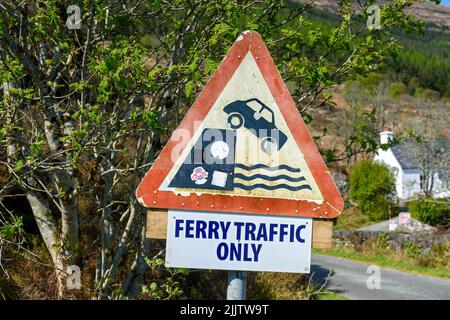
(380, 226)
(349, 278)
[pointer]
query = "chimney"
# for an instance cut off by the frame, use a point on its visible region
(386, 135)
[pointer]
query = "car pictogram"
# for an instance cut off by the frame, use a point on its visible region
(259, 119)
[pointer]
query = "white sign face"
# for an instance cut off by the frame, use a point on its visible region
(245, 160)
(227, 241)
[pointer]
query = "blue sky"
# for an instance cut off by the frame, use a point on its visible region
(445, 2)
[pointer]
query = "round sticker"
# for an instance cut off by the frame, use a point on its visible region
(220, 150)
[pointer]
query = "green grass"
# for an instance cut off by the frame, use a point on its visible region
(330, 296)
(352, 219)
(386, 262)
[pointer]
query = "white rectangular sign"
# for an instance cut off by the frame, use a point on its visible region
(227, 241)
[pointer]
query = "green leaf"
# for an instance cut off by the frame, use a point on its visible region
(189, 89)
(12, 227)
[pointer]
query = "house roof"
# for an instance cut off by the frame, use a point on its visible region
(403, 154)
(405, 157)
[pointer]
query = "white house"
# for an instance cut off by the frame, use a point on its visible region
(408, 176)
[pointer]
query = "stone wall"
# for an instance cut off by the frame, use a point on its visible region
(396, 241)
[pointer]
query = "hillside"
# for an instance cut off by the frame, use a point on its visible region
(437, 17)
(425, 57)
(414, 82)
(398, 113)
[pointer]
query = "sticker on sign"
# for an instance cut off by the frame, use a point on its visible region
(228, 241)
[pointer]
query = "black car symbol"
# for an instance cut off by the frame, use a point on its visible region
(259, 119)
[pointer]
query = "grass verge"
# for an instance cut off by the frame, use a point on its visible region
(387, 262)
(352, 218)
(329, 296)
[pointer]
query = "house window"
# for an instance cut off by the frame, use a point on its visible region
(422, 182)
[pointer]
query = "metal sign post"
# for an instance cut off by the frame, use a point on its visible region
(237, 285)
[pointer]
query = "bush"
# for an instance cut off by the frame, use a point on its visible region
(372, 187)
(397, 89)
(412, 250)
(372, 80)
(430, 211)
(413, 84)
(427, 94)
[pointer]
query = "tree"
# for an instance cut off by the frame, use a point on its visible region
(365, 114)
(430, 150)
(84, 111)
(372, 187)
(397, 89)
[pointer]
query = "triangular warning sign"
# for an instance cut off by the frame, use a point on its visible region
(243, 147)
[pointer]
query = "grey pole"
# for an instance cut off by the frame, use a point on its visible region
(237, 285)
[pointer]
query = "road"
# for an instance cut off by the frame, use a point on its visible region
(349, 278)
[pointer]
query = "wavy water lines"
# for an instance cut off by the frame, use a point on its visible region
(288, 180)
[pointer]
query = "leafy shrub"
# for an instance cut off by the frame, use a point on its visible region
(413, 84)
(382, 241)
(430, 211)
(12, 228)
(397, 89)
(372, 80)
(375, 245)
(412, 250)
(166, 283)
(440, 255)
(372, 187)
(427, 94)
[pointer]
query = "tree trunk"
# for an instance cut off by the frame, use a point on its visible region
(48, 229)
(133, 282)
(63, 180)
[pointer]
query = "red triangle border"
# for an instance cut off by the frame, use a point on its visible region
(148, 194)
